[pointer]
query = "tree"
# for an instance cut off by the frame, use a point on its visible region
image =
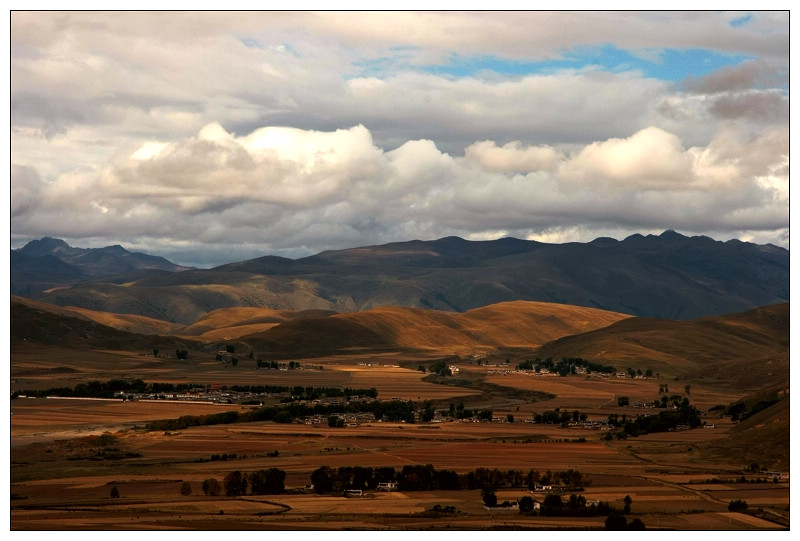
(737, 505)
(623, 401)
(687, 388)
(235, 484)
(114, 492)
(211, 487)
(616, 522)
(428, 413)
(283, 416)
(181, 354)
(552, 501)
(489, 497)
(636, 524)
(525, 504)
(627, 501)
(510, 418)
(267, 481)
(322, 480)
(186, 488)
(155, 352)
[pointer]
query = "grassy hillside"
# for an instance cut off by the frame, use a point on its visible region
(231, 323)
(750, 348)
(520, 324)
(762, 437)
(122, 322)
(37, 324)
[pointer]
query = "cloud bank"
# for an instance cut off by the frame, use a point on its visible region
(282, 188)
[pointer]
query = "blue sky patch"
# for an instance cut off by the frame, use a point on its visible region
(741, 21)
(663, 64)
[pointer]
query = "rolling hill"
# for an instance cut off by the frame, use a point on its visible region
(665, 276)
(231, 323)
(38, 323)
(749, 349)
(122, 322)
(520, 324)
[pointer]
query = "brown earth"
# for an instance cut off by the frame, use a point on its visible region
(63, 467)
(67, 454)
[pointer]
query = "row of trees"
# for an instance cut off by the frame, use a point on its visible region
(236, 483)
(557, 416)
(566, 366)
(458, 411)
(108, 389)
(426, 477)
(298, 392)
(684, 414)
(393, 411)
(554, 506)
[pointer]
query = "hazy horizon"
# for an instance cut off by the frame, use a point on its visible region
(201, 265)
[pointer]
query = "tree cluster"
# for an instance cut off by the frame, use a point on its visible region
(556, 416)
(393, 411)
(418, 477)
(686, 414)
(235, 483)
(566, 366)
(739, 410)
(441, 368)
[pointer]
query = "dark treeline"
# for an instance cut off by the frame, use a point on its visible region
(685, 414)
(739, 411)
(392, 411)
(95, 389)
(111, 388)
(556, 416)
(418, 477)
(236, 483)
(566, 366)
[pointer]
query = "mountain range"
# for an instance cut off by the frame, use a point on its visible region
(664, 276)
(47, 263)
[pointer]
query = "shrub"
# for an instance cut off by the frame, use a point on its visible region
(737, 505)
(211, 487)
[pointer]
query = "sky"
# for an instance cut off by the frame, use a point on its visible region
(213, 137)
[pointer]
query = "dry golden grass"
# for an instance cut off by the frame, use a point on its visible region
(123, 322)
(235, 322)
(52, 492)
(61, 479)
(522, 324)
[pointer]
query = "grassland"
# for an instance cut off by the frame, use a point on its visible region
(63, 467)
(68, 455)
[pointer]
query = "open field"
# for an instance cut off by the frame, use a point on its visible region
(63, 468)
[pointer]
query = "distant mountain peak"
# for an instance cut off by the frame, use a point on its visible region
(49, 262)
(45, 246)
(116, 249)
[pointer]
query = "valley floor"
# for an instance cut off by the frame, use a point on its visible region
(67, 455)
